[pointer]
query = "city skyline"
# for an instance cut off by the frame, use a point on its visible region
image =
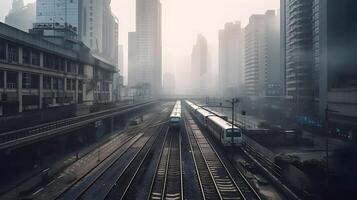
(176, 52)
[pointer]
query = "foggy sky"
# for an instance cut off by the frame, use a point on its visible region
(182, 21)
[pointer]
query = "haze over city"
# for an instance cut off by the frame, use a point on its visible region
(178, 99)
(180, 30)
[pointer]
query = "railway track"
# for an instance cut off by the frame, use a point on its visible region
(124, 182)
(167, 182)
(216, 179)
(76, 189)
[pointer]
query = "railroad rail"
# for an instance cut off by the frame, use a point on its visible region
(167, 182)
(225, 185)
(124, 182)
(121, 143)
(26, 135)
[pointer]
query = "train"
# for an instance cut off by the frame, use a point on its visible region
(175, 116)
(218, 126)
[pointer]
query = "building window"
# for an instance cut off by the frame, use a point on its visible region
(35, 79)
(35, 58)
(30, 81)
(26, 56)
(80, 85)
(2, 50)
(47, 82)
(11, 80)
(80, 69)
(26, 81)
(63, 65)
(13, 53)
(55, 83)
(48, 61)
(60, 83)
(68, 83)
(71, 67)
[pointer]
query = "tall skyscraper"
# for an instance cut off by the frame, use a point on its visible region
(262, 55)
(133, 71)
(231, 60)
(148, 46)
(21, 16)
(59, 12)
(121, 59)
(199, 66)
(99, 28)
(334, 25)
(297, 52)
(93, 20)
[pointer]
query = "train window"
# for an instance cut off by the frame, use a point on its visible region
(236, 133)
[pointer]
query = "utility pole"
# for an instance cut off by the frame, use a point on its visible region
(233, 102)
(327, 112)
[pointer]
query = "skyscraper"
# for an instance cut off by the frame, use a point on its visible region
(297, 53)
(199, 66)
(59, 12)
(262, 68)
(334, 25)
(93, 20)
(148, 46)
(231, 60)
(133, 72)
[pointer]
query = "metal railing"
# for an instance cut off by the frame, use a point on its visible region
(61, 125)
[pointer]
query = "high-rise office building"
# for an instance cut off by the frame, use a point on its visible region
(296, 22)
(60, 12)
(148, 46)
(92, 20)
(199, 66)
(318, 50)
(231, 60)
(133, 72)
(334, 25)
(262, 55)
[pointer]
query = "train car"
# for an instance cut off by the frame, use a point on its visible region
(202, 115)
(221, 115)
(175, 117)
(222, 130)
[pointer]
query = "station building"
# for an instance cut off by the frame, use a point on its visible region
(49, 67)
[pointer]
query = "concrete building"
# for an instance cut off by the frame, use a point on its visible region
(199, 66)
(296, 26)
(148, 66)
(39, 71)
(334, 47)
(93, 22)
(262, 56)
(318, 46)
(231, 59)
(121, 59)
(133, 75)
(61, 12)
(21, 16)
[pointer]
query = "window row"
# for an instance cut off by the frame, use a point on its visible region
(10, 53)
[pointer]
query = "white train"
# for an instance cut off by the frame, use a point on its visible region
(175, 117)
(221, 129)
